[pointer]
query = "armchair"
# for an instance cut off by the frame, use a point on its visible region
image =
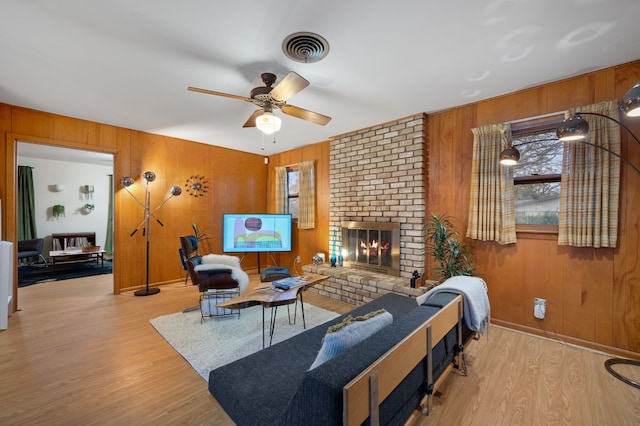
(217, 277)
(31, 248)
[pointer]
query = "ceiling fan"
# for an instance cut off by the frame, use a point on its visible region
(268, 98)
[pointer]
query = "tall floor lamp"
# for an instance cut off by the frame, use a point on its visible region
(576, 128)
(146, 223)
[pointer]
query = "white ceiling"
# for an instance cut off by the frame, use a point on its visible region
(129, 62)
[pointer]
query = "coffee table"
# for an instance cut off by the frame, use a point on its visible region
(70, 254)
(269, 297)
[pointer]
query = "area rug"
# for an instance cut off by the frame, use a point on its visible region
(34, 274)
(221, 340)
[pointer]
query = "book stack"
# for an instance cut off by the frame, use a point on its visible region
(289, 283)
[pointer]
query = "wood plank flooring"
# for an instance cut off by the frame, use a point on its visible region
(78, 355)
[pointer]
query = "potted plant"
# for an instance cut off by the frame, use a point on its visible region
(442, 244)
(200, 235)
(58, 210)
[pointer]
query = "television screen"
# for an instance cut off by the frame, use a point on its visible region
(246, 233)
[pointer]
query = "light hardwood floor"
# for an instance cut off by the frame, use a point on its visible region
(78, 355)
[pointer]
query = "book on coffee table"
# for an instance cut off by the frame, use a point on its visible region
(289, 283)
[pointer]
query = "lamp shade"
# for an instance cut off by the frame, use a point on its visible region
(572, 129)
(510, 156)
(268, 123)
(631, 102)
(126, 181)
(149, 176)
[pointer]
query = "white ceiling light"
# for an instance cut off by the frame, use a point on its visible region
(268, 123)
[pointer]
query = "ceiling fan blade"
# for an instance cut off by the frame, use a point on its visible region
(251, 122)
(212, 92)
(304, 114)
(289, 86)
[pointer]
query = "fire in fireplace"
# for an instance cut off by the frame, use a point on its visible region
(373, 246)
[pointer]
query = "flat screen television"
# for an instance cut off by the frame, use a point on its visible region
(256, 232)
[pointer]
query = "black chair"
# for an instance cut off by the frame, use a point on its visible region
(212, 284)
(31, 248)
(183, 260)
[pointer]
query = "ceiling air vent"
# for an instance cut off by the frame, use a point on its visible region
(305, 47)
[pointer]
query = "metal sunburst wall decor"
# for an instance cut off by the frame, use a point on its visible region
(196, 186)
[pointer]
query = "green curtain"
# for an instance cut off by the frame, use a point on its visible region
(108, 244)
(26, 205)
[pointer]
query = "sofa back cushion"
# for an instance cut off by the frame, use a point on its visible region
(34, 245)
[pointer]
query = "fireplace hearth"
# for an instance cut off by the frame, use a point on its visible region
(372, 246)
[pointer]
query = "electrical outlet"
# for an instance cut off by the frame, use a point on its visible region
(298, 259)
(539, 307)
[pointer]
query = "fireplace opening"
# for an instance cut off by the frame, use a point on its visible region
(373, 246)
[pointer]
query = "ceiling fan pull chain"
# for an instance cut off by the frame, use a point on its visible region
(262, 147)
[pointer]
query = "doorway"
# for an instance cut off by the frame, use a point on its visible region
(76, 182)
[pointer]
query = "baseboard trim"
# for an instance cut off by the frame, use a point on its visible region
(584, 344)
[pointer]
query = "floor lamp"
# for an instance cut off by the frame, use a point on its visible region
(146, 223)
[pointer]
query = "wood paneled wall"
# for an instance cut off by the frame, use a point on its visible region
(307, 242)
(593, 295)
(236, 183)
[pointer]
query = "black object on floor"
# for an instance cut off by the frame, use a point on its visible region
(34, 274)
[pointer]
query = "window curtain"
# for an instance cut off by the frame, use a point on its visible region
(26, 205)
(590, 182)
(491, 202)
(307, 195)
(108, 244)
(281, 189)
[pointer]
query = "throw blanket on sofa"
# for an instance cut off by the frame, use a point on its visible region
(477, 310)
(222, 261)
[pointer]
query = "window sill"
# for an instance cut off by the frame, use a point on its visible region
(537, 232)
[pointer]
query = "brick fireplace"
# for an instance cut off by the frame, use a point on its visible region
(377, 176)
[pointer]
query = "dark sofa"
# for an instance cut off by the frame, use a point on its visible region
(274, 386)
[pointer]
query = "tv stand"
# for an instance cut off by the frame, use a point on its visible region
(258, 253)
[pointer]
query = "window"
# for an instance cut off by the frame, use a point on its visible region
(293, 191)
(537, 176)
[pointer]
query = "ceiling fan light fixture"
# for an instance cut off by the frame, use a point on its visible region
(268, 123)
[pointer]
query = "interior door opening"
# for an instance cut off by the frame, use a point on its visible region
(72, 196)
